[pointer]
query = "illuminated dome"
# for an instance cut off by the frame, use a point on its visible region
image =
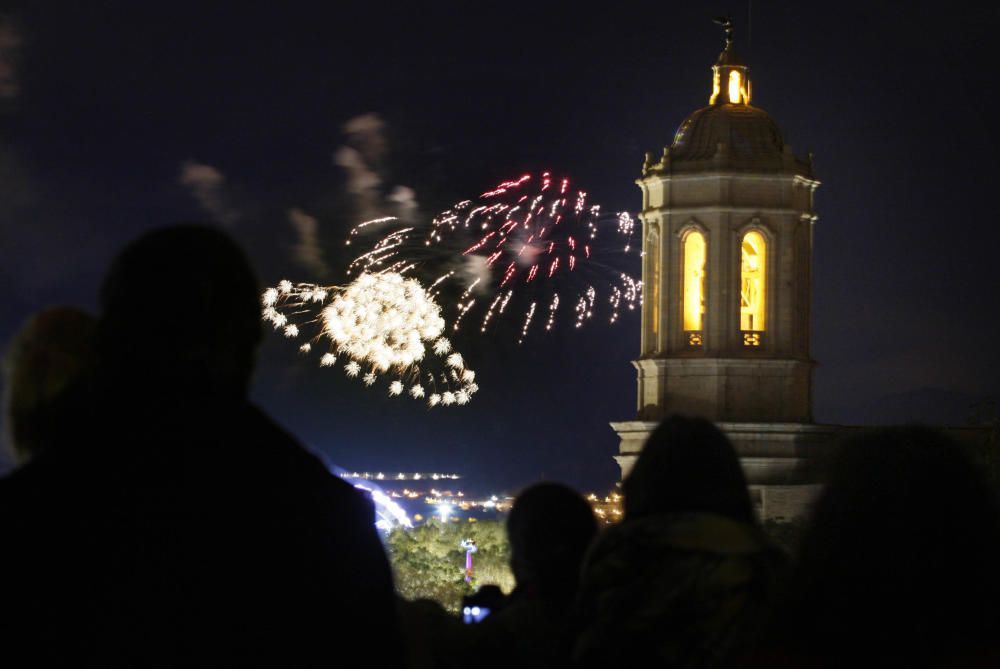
(729, 134)
(746, 132)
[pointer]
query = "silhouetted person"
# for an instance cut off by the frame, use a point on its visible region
(899, 564)
(51, 354)
(687, 579)
(549, 527)
(172, 523)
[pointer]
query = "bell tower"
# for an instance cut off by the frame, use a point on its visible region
(727, 218)
(727, 214)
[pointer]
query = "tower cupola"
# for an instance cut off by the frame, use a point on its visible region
(729, 132)
(730, 83)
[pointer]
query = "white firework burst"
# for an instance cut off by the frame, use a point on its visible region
(382, 323)
(383, 319)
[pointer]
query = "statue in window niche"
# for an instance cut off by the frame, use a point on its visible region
(750, 287)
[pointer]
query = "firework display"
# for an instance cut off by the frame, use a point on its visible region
(530, 252)
(533, 240)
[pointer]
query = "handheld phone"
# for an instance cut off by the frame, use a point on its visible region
(474, 614)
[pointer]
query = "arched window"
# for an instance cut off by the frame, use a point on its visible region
(734, 87)
(753, 284)
(694, 284)
(653, 253)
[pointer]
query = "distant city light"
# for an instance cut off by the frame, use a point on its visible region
(402, 476)
(389, 513)
(445, 502)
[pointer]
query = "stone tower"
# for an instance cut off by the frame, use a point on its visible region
(727, 216)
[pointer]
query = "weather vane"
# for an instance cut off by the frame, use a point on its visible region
(727, 24)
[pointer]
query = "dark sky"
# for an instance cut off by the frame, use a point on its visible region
(103, 104)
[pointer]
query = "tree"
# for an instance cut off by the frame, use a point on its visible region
(429, 562)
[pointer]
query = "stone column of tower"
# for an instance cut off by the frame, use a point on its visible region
(727, 216)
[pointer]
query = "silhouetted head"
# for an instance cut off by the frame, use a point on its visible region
(181, 313)
(550, 527)
(53, 351)
(687, 465)
(902, 548)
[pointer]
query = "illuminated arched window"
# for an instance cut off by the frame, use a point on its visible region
(694, 282)
(734, 87)
(654, 256)
(731, 83)
(753, 282)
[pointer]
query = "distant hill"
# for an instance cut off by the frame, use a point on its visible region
(930, 406)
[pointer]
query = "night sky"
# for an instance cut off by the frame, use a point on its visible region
(116, 118)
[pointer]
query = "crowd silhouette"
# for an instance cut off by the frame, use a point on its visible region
(167, 521)
(158, 518)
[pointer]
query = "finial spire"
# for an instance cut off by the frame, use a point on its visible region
(729, 80)
(727, 24)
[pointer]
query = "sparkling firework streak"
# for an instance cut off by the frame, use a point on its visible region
(527, 322)
(526, 241)
(384, 324)
(489, 312)
(585, 306)
(374, 221)
(553, 307)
